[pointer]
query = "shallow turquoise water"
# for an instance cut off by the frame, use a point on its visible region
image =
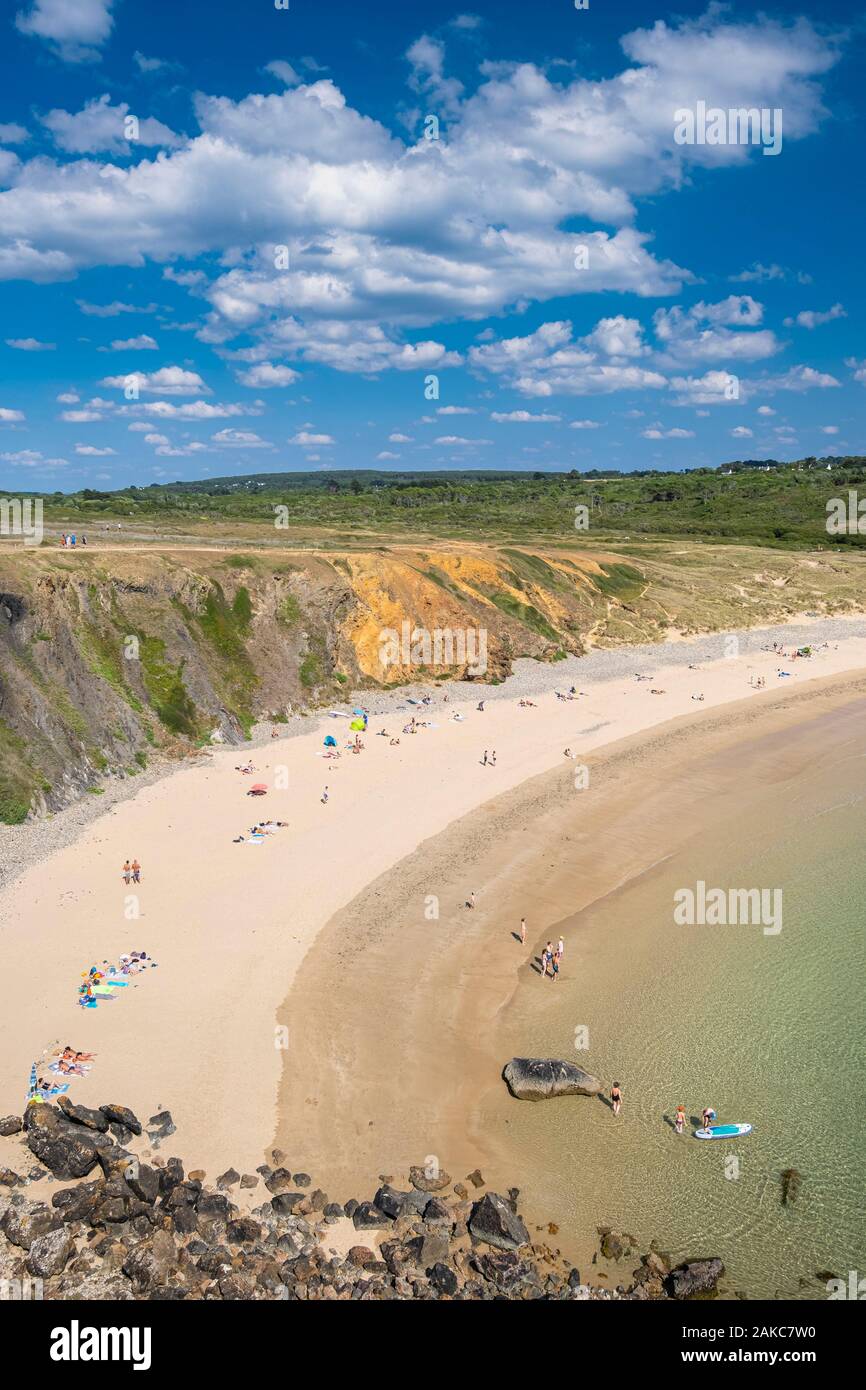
(768, 1029)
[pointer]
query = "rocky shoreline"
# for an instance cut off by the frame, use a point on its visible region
(149, 1230)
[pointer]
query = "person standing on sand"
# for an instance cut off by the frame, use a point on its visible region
(560, 950)
(493, 758)
(484, 759)
(680, 1120)
(325, 797)
(523, 931)
(546, 958)
(471, 900)
(127, 871)
(554, 965)
(615, 1098)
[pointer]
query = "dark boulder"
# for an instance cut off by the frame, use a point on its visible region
(67, 1150)
(496, 1223)
(389, 1200)
(144, 1181)
(160, 1127)
(695, 1279)
(503, 1268)
(119, 1115)
(148, 1265)
(10, 1124)
(243, 1230)
(443, 1279)
(214, 1204)
(285, 1203)
(82, 1115)
(171, 1176)
(541, 1078)
(278, 1180)
(49, 1253)
(79, 1203)
(27, 1221)
(368, 1217)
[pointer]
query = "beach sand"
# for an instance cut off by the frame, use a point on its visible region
(209, 1034)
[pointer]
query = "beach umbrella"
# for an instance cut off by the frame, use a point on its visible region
(258, 790)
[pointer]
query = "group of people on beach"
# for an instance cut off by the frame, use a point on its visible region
(70, 541)
(551, 958)
(132, 872)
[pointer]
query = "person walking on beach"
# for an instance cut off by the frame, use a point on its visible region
(127, 871)
(484, 759)
(493, 758)
(554, 965)
(560, 950)
(136, 871)
(615, 1098)
(546, 958)
(679, 1122)
(470, 902)
(325, 797)
(523, 931)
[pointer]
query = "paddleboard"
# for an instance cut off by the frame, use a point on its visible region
(722, 1131)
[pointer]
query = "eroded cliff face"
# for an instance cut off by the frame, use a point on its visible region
(109, 660)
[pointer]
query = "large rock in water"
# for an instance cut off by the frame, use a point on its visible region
(540, 1078)
(695, 1279)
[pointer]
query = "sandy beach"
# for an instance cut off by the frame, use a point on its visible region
(215, 1032)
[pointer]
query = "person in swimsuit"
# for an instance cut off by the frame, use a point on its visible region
(616, 1098)
(136, 871)
(523, 931)
(679, 1122)
(707, 1115)
(127, 871)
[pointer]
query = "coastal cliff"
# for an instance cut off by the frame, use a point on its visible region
(109, 660)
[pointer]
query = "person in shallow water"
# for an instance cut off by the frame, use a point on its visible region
(679, 1122)
(615, 1098)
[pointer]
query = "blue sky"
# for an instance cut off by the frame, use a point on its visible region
(228, 243)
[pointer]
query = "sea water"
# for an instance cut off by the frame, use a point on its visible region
(766, 1026)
